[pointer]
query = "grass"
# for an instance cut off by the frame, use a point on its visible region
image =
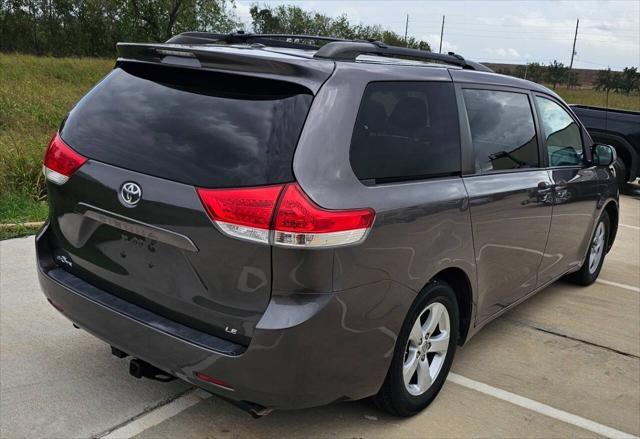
(37, 92)
(599, 98)
(18, 231)
(35, 95)
(20, 207)
(16, 209)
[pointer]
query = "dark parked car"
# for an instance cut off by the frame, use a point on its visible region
(288, 226)
(618, 128)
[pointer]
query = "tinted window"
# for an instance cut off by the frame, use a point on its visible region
(195, 127)
(502, 130)
(406, 130)
(564, 142)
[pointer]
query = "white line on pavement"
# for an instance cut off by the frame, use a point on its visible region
(538, 407)
(193, 397)
(160, 414)
(631, 227)
(619, 285)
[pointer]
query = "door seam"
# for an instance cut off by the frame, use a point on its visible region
(475, 262)
(546, 243)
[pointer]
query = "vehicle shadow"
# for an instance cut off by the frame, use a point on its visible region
(215, 417)
(456, 412)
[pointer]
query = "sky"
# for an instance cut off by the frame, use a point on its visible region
(508, 31)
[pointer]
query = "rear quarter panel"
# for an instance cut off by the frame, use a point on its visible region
(421, 227)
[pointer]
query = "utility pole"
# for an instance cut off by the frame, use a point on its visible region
(573, 51)
(406, 30)
(441, 35)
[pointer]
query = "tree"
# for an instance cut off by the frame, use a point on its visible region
(517, 71)
(93, 27)
(536, 72)
(606, 80)
(290, 19)
(505, 70)
(628, 80)
(556, 73)
(572, 79)
(159, 20)
(532, 71)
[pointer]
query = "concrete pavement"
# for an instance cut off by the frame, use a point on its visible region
(55, 380)
(574, 349)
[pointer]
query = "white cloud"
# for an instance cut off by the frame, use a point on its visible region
(502, 53)
(533, 30)
(242, 12)
(434, 41)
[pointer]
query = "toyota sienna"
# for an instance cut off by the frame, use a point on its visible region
(287, 224)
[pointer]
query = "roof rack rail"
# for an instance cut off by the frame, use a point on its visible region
(350, 50)
(273, 40)
(335, 48)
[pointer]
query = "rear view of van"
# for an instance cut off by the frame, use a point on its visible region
(289, 225)
(179, 135)
(172, 190)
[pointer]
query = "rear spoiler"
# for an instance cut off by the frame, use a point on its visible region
(254, 62)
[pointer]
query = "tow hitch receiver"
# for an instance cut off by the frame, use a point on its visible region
(139, 369)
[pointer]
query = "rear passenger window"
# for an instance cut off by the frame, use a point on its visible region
(502, 130)
(404, 131)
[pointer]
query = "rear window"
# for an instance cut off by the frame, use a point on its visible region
(406, 131)
(502, 130)
(196, 127)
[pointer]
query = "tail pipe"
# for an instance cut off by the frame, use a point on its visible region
(257, 411)
(141, 369)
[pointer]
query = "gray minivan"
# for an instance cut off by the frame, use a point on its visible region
(288, 225)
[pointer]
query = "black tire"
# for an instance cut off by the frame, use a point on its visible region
(394, 396)
(584, 276)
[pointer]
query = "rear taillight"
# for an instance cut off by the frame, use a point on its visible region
(242, 213)
(60, 161)
(299, 222)
(284, 215)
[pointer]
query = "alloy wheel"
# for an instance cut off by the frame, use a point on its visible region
(597, 248)
(426, 349)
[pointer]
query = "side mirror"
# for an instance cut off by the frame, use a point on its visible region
(603, 155)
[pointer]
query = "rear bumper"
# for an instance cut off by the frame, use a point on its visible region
(307, 350)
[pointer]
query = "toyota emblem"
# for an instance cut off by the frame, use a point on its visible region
(130, 194)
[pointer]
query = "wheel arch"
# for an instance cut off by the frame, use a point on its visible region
(458, 280)
(612, 210)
